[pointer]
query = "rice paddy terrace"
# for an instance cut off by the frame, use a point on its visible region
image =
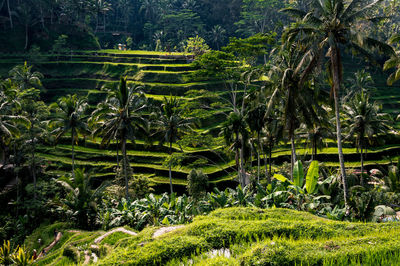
(163, 74)
(230, 236)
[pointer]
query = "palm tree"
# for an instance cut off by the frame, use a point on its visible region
(23, 76)
(273, 132)
(120, 116)
(256, 121)
(171, 125)
(364, 120)
(70, 117)
(217, 35)
(234, 131)
(9, 122)
(315, 137)
(393, 62)
(297, 98)
(331, 25)
(81, 200)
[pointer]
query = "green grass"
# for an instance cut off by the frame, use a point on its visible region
(251, 236)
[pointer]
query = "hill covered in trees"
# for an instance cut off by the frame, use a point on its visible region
(133, 117)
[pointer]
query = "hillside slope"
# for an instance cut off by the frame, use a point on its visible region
(232, 236)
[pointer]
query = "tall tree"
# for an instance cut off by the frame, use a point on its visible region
(364, 120)
(393, 62)
(331, 25)
(171, 125)
(121, 116)
(70, 116)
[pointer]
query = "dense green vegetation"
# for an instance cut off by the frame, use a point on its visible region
(134, 116)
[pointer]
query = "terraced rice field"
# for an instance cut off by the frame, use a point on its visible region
(162, 75)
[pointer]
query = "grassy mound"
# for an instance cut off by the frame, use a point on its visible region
(244, 236)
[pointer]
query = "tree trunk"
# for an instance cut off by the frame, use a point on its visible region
(26, 36)
(362, 166)
(73, 158)
(33, 167)
(169, 165)
(117, 155)
(9, 14)
(336, 84)
(125, 164)
(258, 157)
(270, 162)
(293, 156)
(242, 171)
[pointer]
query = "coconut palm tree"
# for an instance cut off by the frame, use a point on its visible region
(297, 98)
(171, 125)
(25, 79)
(256, 121)
(9, 122)
(329, 26)
(217, 35)
(234, 131)
(70, 116)
(364, 120)
(393, 62)
(120, 116)
(81, 201)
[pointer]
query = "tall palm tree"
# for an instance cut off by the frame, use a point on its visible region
(364, 120)
(331, 25)
(393, 62)
(120, 116)
(70, 116)
(315, 137)
(234, 131)
(171, 125)
(256, 121)
(297, 98)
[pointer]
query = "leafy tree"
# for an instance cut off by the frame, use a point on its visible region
(197, 46)
(197, 183)
(121, 116)
(171, 125)
(70, 116)
(331, 24)
(364, 120)
(260, 16)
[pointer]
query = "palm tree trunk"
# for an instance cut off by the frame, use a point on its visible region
(73, 155)
(9, 14)
(26, 36)
(125, 164)
(362, 165)
(270, 162)
(293, 156)
(169, 165)
(242, 171)
(117, 155)
(336, 84)
(258, 157)
(33, 168)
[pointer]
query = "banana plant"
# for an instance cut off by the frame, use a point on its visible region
(298, 178)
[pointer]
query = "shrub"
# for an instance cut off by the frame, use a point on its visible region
(197, 183)
(72, 253)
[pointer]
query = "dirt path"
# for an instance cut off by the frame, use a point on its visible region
(119, 229)
(52, 244)
(165, 230)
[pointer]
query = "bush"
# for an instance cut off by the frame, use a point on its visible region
(72, 253)
(197, 183)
